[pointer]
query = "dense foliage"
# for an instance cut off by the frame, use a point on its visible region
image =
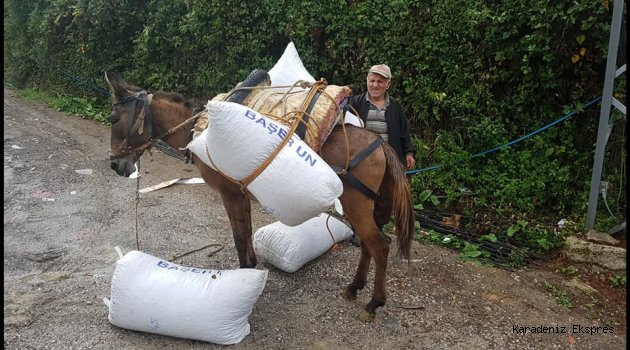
(472, 74)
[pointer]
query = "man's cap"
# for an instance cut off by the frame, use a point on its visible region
(381, 69)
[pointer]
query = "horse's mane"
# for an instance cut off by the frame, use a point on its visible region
(173, 97)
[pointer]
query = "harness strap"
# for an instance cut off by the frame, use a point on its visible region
(301, 130)
(351, 179)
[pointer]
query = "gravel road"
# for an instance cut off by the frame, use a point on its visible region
(65, 210)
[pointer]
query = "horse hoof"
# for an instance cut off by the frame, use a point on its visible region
(348, 295)
(366, 316)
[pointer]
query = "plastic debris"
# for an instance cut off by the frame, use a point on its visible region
(562, 223)
(84, 171)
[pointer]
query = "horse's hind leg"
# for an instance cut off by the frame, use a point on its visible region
(373, 246)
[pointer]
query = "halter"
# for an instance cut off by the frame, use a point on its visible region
(137, 123)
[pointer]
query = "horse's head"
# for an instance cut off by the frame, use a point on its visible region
(131, 124)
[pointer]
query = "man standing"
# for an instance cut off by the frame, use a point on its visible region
(384, 115)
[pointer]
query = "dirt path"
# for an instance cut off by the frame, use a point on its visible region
(61, 226)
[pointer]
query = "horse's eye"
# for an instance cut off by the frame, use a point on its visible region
(113, 118)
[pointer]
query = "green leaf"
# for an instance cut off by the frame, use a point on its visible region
(512, 230)
(489, 237)
(545, 243)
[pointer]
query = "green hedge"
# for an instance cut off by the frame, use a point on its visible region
(472, 74)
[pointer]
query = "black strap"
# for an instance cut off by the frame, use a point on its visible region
(366, 152)
(301, 129)
(351, 179)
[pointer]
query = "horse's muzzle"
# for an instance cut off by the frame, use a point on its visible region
(123, 166)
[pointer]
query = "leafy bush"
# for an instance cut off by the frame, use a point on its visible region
(472, 75)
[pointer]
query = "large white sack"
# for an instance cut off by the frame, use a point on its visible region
(296, 186)
(289, 69)
(156, 296)
(289, 248)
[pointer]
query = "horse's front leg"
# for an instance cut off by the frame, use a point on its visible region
(238, 207)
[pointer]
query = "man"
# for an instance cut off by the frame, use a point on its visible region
(384, 115)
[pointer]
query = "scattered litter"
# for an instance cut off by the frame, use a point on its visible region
(48, 199)
(136, 173)
(185, 181)
(16, 147)
(84, 171)
(42, 194)
(562, 222)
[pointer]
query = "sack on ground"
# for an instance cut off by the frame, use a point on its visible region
(152, 295)
(289, 248)
(296, 186)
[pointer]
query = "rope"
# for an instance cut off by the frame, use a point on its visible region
(300, 114)
(335, 246)
(499, 148)
(219, 245)
(137, 201)
(83, 82)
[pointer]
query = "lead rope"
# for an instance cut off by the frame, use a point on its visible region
(137, 202)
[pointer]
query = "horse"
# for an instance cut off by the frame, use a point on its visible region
(140, 119)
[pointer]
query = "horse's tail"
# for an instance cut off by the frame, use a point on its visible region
(403, 203)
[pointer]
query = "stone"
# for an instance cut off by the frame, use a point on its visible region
(612, 258)
(601, 237)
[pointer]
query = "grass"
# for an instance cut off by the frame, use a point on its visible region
(562, 297)
(87, 108)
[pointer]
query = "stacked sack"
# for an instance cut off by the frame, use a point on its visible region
(295, 186)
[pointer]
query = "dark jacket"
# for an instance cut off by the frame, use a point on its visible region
(396, 123)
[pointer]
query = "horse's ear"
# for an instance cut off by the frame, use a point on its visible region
(115, 82)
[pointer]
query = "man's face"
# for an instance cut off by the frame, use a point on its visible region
(377, 85)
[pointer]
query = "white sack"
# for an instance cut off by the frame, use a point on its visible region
(352, 119)
(289, 248)
(296, 186)
(156, 296)
(289, 69)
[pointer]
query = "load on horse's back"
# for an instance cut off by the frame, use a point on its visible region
(374, 185)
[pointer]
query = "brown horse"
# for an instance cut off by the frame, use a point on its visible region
(140, 119)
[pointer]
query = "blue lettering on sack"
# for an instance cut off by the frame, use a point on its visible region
(272, 128)
(168, 266)
(307, 157)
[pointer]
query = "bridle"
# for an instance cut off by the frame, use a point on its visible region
(137, 122)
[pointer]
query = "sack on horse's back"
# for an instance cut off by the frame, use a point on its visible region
(286, 92)
(295, 185)
(323, 111)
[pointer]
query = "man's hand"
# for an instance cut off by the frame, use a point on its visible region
(411, 163)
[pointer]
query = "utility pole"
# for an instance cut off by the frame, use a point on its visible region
(597, 186)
